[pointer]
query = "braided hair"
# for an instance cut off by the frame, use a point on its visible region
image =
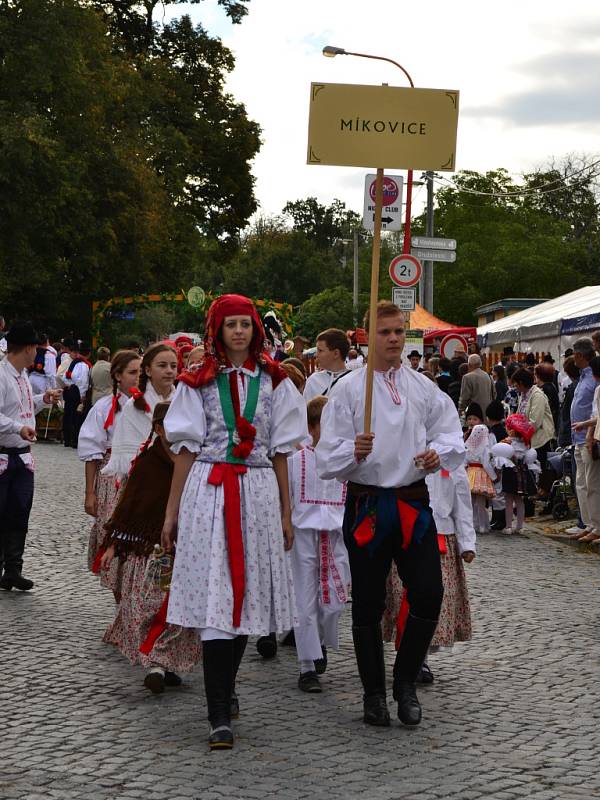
(149, 356)
(118, 365)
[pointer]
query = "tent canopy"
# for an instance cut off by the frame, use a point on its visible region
(576, 312)
(422, 320)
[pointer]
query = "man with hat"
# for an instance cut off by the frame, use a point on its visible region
(415, 359)
(18, 407)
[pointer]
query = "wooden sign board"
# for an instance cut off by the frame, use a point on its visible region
(391, 126)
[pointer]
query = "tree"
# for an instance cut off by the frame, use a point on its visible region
(323, 225)
(331, 308)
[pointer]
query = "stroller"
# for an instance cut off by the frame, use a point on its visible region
(562, 489)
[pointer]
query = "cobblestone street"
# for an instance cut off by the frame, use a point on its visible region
(513, 714)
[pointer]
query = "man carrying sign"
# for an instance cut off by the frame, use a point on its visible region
(416, 430)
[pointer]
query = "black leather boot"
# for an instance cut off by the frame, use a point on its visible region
(498, 520)
(411, 654)
(239, 646)
(14, 545)
(267, 645)
(218, 685)
(368, 646)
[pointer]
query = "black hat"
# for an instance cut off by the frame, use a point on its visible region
(508, 351)
(547, 359)
(474, 410)
(414, 353)
(495, 410)
(568, 352)
(22, 333)
(530, 360)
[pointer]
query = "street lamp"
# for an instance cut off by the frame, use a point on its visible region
(330, 52)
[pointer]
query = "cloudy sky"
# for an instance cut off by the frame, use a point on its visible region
(528, 74)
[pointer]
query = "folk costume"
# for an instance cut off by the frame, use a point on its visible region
(319, 563)
(519, 465)
(76, 385)
(322, 382)
(388, 517)
(133, 530)
(18, 407)
(232, 576)
(42, 375)
(95, 440)
(481, 474)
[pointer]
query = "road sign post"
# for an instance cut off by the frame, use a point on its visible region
(405, 270)
(391, 216)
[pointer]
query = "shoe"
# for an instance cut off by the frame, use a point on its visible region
(507, 531)
(234, 706)
(172, 679)
(267, 646)
(8, 582)
(321, 663)
(220, 738)
(309, 682)
(289, 640)
(425, 675)
(375, 711)
(409, 708)
(575, 531)
(589, 538)
(155, 681)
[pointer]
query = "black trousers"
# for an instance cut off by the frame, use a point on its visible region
(72, 419)
(16, 497)
(418, 567)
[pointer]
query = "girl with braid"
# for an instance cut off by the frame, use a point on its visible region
(94, 446)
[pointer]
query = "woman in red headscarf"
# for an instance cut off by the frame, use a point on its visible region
(232, 423)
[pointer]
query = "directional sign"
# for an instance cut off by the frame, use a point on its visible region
(433, 242)
(391, 217)
(433, 255)
(405, 270)
(404, 298)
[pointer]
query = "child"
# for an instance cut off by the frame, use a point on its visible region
(518, 461)
(320, 567)
(132, 533)
(94, 446)
(480, 470)
(495, 420)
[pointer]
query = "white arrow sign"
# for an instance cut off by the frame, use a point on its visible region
(434, 243)
(391, 216)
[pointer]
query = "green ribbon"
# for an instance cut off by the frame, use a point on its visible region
(229, 413)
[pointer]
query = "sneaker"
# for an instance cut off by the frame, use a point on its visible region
(575, 531)
(309, 682)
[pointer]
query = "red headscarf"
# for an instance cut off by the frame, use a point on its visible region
(182, 349)
(521, 425)
(230, 305)
(181, 340)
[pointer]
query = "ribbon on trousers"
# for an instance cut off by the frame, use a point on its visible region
(227, 475)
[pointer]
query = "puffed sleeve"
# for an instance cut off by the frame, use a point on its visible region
(335, 450)
(443, 430)
(93, 439)
(185, 423)
(463, 512)
(288, 418)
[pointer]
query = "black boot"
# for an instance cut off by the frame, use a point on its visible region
(368, 646)
(218, 685)
(267, 645)
(498, 520)
(239, 646)
(14, 545)
(409, 658)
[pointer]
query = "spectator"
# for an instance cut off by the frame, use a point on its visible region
(354, 360)
(511, 399)
(596, 341)
(565, 435)
(547, 359)
(544, 377)
(500, 385)
(434, 365)
(459, 370)
(534, 404)
(444, 378)
(415, 359)
(477, 386)
(100, 379)
(563, 379)
(582, 410)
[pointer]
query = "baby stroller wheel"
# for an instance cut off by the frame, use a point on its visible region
(560, 511)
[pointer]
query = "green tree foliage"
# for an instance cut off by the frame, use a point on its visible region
(331, 308)
(324, 225)
(114, 168)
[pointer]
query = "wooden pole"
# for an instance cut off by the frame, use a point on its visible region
(374, 299)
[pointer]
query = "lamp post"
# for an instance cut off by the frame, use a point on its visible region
(330, 52)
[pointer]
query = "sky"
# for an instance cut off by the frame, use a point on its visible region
(528, 73)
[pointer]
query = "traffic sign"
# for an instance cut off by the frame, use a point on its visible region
(405, 270)
(391, 216)
(452, 342)
(404, 298)
(433, 255)
(434, 242)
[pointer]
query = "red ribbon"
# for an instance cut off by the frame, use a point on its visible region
(227, 475)
(159, 624)
(401, 619)
(109, 422)
(442, 544)
(245, 430)
(96, 565)
(135, 393)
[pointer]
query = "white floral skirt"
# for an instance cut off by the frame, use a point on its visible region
(201, 590)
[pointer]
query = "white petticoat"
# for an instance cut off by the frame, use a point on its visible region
(201, 591)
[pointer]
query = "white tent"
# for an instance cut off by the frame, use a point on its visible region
(550, 327)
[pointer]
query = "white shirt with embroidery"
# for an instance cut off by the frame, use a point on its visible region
(18, 404)
(317, 503)
(450, 499)
(94, 440)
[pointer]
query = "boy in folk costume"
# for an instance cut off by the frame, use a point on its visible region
(132, 535)
(94, 446)
(18, 407)
(387, 517)
(332, 349)
(232, 423)
(319, 557)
